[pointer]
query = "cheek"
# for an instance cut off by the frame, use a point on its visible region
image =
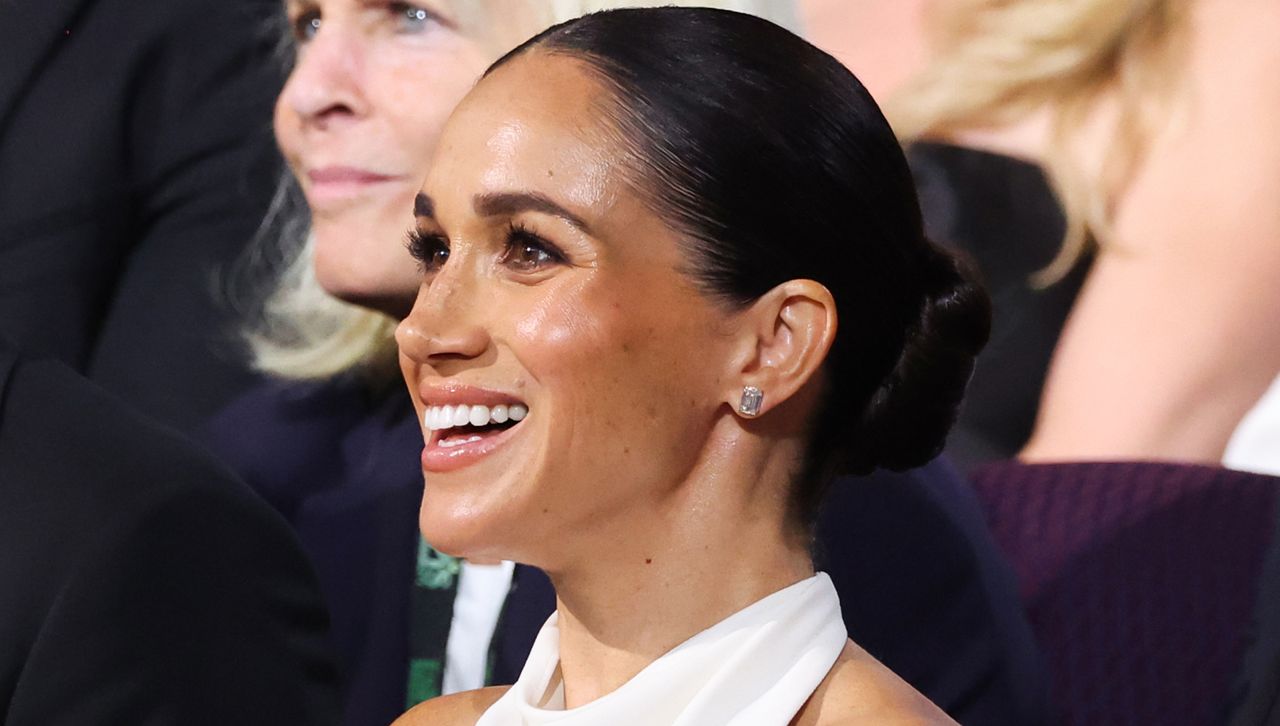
(627, 378)
(284, 122)
(360, 253)
(417, 104)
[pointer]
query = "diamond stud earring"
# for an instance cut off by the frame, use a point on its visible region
(752, 397)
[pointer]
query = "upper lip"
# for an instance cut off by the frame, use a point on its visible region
(452, 393)
(347, 174)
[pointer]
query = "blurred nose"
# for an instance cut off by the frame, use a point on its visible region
(326, 84)
(443, 327)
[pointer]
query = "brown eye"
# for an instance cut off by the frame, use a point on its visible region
(430, 250)
(527, 252)
(528, 257)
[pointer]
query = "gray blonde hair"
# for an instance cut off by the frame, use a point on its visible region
(996, 62)
(299, 331)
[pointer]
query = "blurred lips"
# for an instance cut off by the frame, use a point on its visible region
(331, 184)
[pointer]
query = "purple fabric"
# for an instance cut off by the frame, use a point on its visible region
(1139, 580)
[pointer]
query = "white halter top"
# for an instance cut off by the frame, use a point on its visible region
(756, 667)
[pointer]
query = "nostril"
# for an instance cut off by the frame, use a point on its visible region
(434, 347)
(456, 342)
(411, 342)
(333, 112)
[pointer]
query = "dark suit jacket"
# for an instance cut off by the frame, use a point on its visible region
(1255, 696)
(921, 583)
(136, 160)
(140, 583)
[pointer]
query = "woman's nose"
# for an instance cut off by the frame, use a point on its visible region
(325, 86)
(442, 327)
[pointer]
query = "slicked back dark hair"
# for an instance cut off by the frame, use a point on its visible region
(774, 163)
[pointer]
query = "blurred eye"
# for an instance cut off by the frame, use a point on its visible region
(411, 18)
(430, 250)
(305, 25)
(527, 252)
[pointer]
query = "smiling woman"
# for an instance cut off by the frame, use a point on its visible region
(655, 281)
(371, 84)
(354, 147)
(330, 441)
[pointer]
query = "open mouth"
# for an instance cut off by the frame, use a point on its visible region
(461, 433)
(456, 425)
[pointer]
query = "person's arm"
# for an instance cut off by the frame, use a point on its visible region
(203, 167)
(457, 708)
(199, 609)
(1176, 332)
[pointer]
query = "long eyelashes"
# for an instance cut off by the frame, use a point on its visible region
(430, 250)
(524, 250)
(527, 251)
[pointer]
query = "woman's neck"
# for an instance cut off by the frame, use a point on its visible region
(713, 549)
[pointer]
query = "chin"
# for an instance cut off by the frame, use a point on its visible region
(461, 533)
(484, 496)
(375, 288)
(486, 515)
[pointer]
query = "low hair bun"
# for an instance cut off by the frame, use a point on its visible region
(812, 184)
(905, 423)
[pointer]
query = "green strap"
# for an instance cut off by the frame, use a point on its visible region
(431, 611)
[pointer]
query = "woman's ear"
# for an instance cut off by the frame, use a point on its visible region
(785, 337)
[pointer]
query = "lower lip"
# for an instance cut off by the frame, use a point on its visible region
(322, 190)
(437, 459)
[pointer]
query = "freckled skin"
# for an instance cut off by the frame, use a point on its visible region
(600, 373)
(614, 352)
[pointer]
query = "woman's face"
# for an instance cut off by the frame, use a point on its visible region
(550, 290)
(358, 121)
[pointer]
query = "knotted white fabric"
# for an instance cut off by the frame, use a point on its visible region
(756, 667)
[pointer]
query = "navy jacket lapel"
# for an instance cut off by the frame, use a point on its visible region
(30, 31)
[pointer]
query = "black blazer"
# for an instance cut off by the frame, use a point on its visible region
(140, 583)
(136, 161)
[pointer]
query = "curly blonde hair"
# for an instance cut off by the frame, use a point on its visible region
(299, 331)
(996, 62)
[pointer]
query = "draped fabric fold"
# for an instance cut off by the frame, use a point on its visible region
(758, 666)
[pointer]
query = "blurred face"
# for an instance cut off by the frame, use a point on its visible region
(358, 121)
(566, 370)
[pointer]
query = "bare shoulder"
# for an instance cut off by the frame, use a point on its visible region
(458, 708)
(859, 690)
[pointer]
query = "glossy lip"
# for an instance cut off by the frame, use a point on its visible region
(436, 459)
(335, 183)
(452, 393)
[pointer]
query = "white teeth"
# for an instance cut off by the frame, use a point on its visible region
(438, 418)
(459, 441)
(461, 416)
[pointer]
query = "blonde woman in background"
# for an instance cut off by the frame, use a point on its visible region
(333, 443)
(1115, 168)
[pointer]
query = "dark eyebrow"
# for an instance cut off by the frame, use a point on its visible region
(423, 206)
(509, 203)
